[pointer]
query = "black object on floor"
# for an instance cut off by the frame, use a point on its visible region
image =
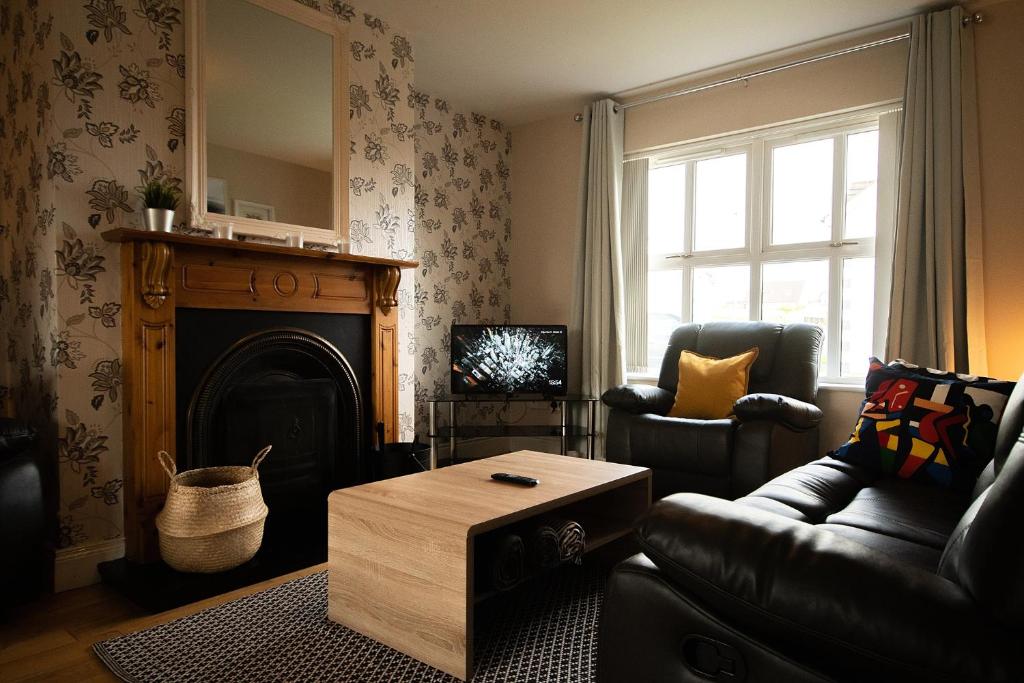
(397, 459)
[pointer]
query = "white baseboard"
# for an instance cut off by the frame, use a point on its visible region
(76, 566)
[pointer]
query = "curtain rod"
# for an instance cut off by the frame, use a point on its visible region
(975, 18)
(764, 72)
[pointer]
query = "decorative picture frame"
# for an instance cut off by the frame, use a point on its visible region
(254, 210)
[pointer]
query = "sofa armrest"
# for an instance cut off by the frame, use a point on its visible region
(840, 605)
(639, 399)
(777, 408)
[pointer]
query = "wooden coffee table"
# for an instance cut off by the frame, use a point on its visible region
(400, 552)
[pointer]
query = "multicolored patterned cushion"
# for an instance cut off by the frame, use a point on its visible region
(926, 425)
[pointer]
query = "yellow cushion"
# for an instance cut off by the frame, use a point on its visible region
(708, 387)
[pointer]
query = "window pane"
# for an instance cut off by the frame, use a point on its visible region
(720, 203)
(796, 292)
(861, 183)
(666, 206)
(858, 316)
(664, 312)
(802, 192)
(721, 293)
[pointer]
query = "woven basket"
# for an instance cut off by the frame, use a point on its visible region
(213, 517)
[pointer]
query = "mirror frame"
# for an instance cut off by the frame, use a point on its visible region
(195, 125)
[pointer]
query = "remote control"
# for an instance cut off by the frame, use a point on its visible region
(515, 479)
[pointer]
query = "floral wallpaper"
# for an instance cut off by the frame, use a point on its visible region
(92, 106)
(464, 224)
(28, 262)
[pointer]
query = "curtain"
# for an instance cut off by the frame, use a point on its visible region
(598, 319)
(634, 260)
(936, 315)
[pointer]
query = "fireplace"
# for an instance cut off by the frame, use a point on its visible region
(295, 381)
(294, 347)
(326, 347)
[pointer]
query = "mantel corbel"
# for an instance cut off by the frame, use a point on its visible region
(156, 269)
(387, 279)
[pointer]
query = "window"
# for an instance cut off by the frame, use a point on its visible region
(780, 225)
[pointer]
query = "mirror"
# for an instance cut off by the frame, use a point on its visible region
(267, 148)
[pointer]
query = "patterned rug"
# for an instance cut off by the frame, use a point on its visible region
(545, 630)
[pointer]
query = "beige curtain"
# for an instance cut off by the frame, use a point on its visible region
(936, 315)
(598, 320)
(634, 260)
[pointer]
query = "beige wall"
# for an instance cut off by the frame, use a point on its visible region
(546, 172)
(545, 163)
(999, 50)
(546, 155)
(299, 195)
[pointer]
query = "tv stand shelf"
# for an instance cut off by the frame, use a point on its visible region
(565, 429)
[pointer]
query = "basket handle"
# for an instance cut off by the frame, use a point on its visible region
(260, 456)
(165, 458)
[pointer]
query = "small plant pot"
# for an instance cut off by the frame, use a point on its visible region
(159, 220)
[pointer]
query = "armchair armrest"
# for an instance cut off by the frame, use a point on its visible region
(791, 412)
(639, 399)
(842, 606)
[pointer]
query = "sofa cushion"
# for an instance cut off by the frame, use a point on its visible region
(922, 556)
(834, 492)
(902, 509)
(929, 426)
(810, 492)
(697, 446)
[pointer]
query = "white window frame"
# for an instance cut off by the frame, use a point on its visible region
(759, 250)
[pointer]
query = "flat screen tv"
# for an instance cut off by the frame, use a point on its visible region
(509, 359)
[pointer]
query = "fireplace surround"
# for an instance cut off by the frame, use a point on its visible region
(168, 279)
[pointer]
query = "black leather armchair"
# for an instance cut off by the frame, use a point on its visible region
(826, 574)
(775, 428)
(23, 570)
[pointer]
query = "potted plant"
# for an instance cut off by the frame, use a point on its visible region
(159, 200)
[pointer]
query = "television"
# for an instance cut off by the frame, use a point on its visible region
(509, 359)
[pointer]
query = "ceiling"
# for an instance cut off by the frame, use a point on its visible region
(523, 60)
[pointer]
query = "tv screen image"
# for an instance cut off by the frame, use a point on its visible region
(509, 359)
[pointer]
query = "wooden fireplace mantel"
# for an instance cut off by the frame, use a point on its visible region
(161, 272)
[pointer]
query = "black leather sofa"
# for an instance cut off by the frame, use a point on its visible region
(23, 569)
(775, 428)
(828, 574)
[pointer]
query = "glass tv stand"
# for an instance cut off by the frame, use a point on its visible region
(565, 429)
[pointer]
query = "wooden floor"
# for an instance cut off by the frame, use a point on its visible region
(51, 639)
